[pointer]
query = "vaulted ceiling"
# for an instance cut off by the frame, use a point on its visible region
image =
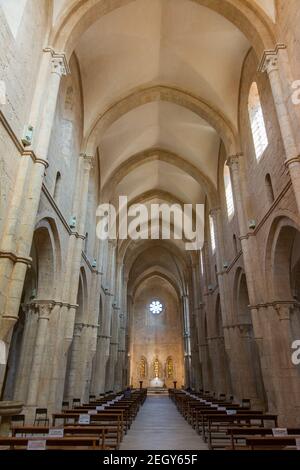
(148, 69)
(171, 43)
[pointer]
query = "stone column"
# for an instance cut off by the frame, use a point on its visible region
(207, 383)
(76, 243)
(123, 317)
(196, 318)
(242, 363)
(83, 350)
(129, 342)
(187, 342)
(253, 276)
(97, 319)
(44, 311)
(121, 294)
(113, 315)
(113, 351)
(215, 213)
(29, 334)
(206, 362)
(102, 355)
(270, 64)
(281, 377)
(103, 345)
(75, 363)
(252, 268)
(71, 278)
(90, 352)
(96, 365)
(120, 383)
(17, 238)
(220, 371)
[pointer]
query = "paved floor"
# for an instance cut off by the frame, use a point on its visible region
(159, 426)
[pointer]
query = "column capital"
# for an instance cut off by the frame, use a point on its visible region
(88, 161)
(215, 211)
(234, 160)
(269, 60)
(59, 62)
(78, 327)
(43, 309)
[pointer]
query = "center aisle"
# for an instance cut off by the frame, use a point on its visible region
(159, 426)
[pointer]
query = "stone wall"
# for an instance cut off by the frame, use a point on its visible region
(19, 64)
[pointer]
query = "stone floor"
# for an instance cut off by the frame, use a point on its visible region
(159, 426)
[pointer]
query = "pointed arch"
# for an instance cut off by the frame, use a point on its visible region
(248, 17)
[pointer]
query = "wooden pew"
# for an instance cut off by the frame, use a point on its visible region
(54, 443)
(201, 421)
(109, 436)
(105, 419)
(271, 442)
(109, 410)
(240, 433)
(193, 407)
(219, 424)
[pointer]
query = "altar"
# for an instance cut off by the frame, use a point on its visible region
(157, 382)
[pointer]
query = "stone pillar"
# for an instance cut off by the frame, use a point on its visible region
(29, 334)
(221, 274)
(44, 311)
(195, 364)
(121, 354)
(103, 345)
(204, 355)
(113, 315)
(220, 371)
(102, 355)
(270, 63)
(75, 363)
(199, 313)
(90, 352)
(215, 213)
(129, 342)
(123, 347)
(187, 342)
(83, 350)
(197, 318)
(281, 377)
(242, 363)
(113, 351)
(71, 278)
(254, 283)
(252, 268)
(96, 365)
(96, 317)
(17, 237)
